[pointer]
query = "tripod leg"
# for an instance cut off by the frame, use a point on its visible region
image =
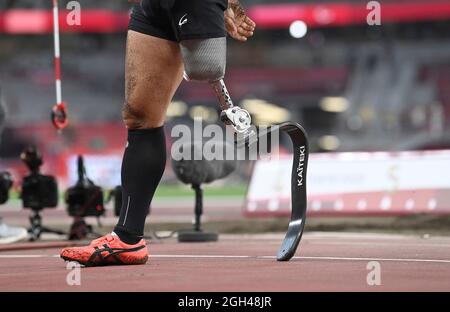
(197, 235)
(198, 207)
(48, 230)
(35, 229)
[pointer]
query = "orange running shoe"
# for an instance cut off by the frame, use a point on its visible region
(107, 250)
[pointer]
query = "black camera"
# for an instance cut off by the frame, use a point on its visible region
(38, 191)
(84, 199)
(6, 183)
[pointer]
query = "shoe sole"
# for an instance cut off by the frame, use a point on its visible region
(137, 262)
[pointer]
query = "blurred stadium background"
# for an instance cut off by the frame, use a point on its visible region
(354, 87)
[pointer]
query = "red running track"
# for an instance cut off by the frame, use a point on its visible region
(324, 262)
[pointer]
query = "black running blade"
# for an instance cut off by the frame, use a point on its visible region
(299, 200)
(300, 145)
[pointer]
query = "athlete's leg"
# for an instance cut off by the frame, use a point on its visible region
(154, 70)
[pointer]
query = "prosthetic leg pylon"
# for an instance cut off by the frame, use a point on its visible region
(238, 118)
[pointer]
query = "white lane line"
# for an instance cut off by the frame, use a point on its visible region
(303, 257)
(377, 244)
(374, 259)
(27, 256)
(23, 256)
(203, 256)
(259, 257)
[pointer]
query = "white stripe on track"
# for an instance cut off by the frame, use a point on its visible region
(167, 256)
(25, 256)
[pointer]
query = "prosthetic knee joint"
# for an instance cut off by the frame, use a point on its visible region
(205, 60)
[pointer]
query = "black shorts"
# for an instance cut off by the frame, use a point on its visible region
(178, 20)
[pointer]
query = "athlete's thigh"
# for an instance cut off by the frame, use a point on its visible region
(154, 70)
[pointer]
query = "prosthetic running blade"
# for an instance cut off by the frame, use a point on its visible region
(300, 145)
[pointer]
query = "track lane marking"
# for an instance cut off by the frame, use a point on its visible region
(377, 244)
(328, 258)
(24, 256)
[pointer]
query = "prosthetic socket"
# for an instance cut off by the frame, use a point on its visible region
(205, 60)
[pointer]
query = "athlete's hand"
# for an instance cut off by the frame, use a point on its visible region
(239, 25)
